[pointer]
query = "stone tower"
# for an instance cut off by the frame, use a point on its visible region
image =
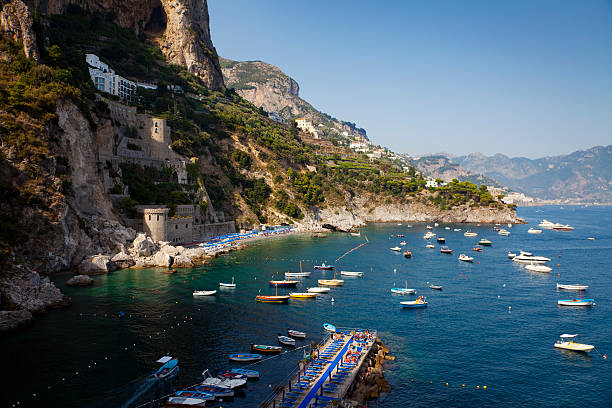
(155, 223)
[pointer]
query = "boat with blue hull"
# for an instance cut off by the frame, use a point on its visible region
(217, 392)
(169, 368)
(245, 358)
(329, 327)
(413, 304)
(250, 374)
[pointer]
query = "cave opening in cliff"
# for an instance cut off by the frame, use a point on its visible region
(157, 21)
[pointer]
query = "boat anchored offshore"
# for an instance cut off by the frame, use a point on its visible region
(407, 254)
(485, 242)
(264, 349)
(245, 358)
(303, 295)
(441, 240)
(191, 398)
(218, 392)
(566, 342)
(572, 287)
(245, 371)
(228, 285)
(351, 273)
(446, 250)
(324, 267)
(528, 258)
(465, 258)
(435, 287)
(538, 268)
(329, 327)
(411, 304)
(534, 231)
(576, 302)
(296, 334)
(330, 282)
(403, 291)
(204, 292)
(169, 367)
(228, 381)
(318, 289)
(470, 234)
(287, 341)
(503, 232)
(284, 283)
(430, 246)
(299, 274)
(396, 249)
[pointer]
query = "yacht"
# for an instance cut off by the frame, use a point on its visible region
(563, 227)
(528, 258)
(503, 232)
(546, 224)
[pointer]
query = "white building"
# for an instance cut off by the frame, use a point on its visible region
(307, 126)
(277, 118)
(358, 145)
(431, 183)
(105, 79)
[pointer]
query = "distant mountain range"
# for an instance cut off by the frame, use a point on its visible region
(582, 176)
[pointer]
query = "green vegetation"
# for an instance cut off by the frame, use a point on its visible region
(459, 193)
(283, 205)
(308, 185)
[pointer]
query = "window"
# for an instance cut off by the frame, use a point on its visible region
(99, 83)
(155, 124)
(176, 226)
(158, 218)
(149, 217)
(155, 130)
(186, 225)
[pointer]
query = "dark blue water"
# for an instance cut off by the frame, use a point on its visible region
(467, 337)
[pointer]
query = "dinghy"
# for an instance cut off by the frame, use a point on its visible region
(403, 291)
(204, 292)
(572, 287)
(228, 285)
(245, 358)
(538, 268)
(430, 246)
(411, 304)
(435, 287)
(324, 267)
(407, 254)
(284, 283)
(396, 249)
(191, 398)
(441, 240)
(296, 334)
(351, 273)
(218, 392)
(287, 341)
(264, 349)
(465, 258)
(318, 289)
(446, 250)
(245, 371)
(169, 367)
(329, 327)
(566, 342)
(303, 295)
(511, 255)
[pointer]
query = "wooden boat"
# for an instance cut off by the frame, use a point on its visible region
(287, 341)
(457, 229)
(318, 289)
(465, 258)
(204, 292)
(264, 349)
(296, 334)
(324, 267)
(403, 291)
(329, 327)
(303, 295)
(566, 342)
(407, 254)
(576, 302)
(435, 287)
(485, 242)
(191, 398)
(572, 287)
(446, 250)
(245, 358)
(396, 249)
(272, 299)
(351, 273)
(245, 371)
(230, 374)
(430, 246)
(218, 392)
(441, 240)
(169, 367)
(470, 234)
(284, 283)
(297, 274)
(538, 268)
(331, 282)
(411, 304)
(228, 285)
(561, 227)
(228, 381)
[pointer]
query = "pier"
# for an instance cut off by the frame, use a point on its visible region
(329, 374)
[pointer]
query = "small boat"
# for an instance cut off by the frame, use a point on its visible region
(572, 287)
(246, 372)
(436, 224)
(457, 229)
(485, 242)
(324, 267)
(228, 285)
(446, 250)
(561, 227)
(330, 282)
(231, 375)
(530, 259)
(477, 249)
(441, 240)
(226, 381)
(264, 349)
(435, 287)
(318, 289)
(538, 268)
(403, 291)
(272, 299)
(534, 231)
(447, 228)
(407, 254)
(204, 292)
(430, 246)
(284, 283)
(470, 234)
(429, 227)
(396, 249)
(566, 342)
(218, 392)
(296, 334)
(191, 398)
(503, 232)
(169, 367)
(465, 258)
(329, 327)
(399, 235)
(411, 304)
(356, 234)
(511, 255)
(576, 302)
(429, 235)
(299, 274)
(546, 224)
(591, 238)
(245, 358)
(287, 341)
(351, 273)
(303, 295)
(403, 243)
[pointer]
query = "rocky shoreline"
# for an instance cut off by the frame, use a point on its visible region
(370, 381)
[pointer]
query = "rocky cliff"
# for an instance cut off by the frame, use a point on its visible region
(266, 86)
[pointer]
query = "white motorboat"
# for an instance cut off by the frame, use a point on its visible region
(457, 229)
(351, 273)
(403, 243)
(396, 249)
(538, 268)
(430, 246)
(566, 342)
(429, 235)
(534, 231)
(356, 234)
(318, 289)
(591, 238)
(429, 227)
(470, 234)
(436, 224)
(530, 259)
(297, 274)
(572, 287)
(204, 292)
(563, 227)
(504, 232)
(465, 258)
(447, 228)
(228, 285)
(546, 224)
(404, 291)
(511, 254)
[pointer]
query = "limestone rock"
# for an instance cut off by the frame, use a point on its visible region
(122, 260)
(14, 319)
(170, 250)
(142, 263)
(16, 20)
(21, 288)
(162, 259)
(182, 261)
(95, 265)
(142, 246)
(80, 280)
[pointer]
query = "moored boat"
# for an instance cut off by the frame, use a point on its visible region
(330, 282)
(228, 285)
(351, 273)
(169, 367)
(297, 274)
(403, 243)
(534, 231)
(287, 341)
(576, 302)
(204, 292)
(470, 234)
(396, 249)
(244, 358)
(403, 291)
(284, 283)
(503, 232)
(296, 334)
(511, 255)
(566, 342)
(441, 240)
(246, 372)
(303, 295)
(435, 287)
(562, 227)
(465, 258)
(329, 327)
(572, 287)
(530, 259)
(430, 246)
(318, 289)
(407, 254)
(446, 250)
(538, 268)
(485, 242)
(272, 299)
(265, 349)
(477, 249)
(218, 392)
(411, 304)
(191, 398)
(324, 267)
(228, 380)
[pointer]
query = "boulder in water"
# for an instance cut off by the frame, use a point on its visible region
(80, 280)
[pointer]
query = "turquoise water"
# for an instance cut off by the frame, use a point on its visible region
(467, 335)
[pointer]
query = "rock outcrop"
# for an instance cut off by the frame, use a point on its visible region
(14, 319)
(16, 19)
(80, 280)
(96, 265)
(22, 289)
(370, 381)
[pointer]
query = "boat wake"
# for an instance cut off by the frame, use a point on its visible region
(144, 387)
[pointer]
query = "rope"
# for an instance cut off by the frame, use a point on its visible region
(354, 249)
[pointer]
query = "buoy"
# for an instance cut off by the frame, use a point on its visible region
(558, 274)
(504, 285)
(463, 385)
(509, 308)
(478, 387)
(499, 297)
(484, 387)
(333, 300)
(605, 356)
(447, 384)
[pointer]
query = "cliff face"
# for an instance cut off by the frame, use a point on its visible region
(183, 25)
(266, 86)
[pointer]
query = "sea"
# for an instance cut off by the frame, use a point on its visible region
(485, 340)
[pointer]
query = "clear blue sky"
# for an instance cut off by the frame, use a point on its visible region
(526, 78)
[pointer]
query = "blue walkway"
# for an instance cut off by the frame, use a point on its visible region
(313, 392)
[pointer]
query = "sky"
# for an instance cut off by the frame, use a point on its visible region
(524, 78)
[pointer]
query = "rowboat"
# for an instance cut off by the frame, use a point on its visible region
(485, 242)
(264, 349)
(351, 273)
(284, 283)
(272, 299)
(396, 249)
(446, 250)
(407, 254)
(191, 398)
(324, 267)
(538, 268)
(534, 231)
(465, 258)
(296, 334)
(232, 375)
(403, 291)
(228, 285)
(169, 367)
(356, 234)
(435, 287)
(303, 295)
(297, 274)
(329, 327)
(230, 381)
(246, 371)
(204, 292)
(330, 282)
(318, 289)
(244, 358)
(430, 246)
(572, 287)
(566, 342)
(441, 240)
(411, 304)
(218, 392)
(403, 243)
(470, 234)
(576, 302)
(287, 341)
